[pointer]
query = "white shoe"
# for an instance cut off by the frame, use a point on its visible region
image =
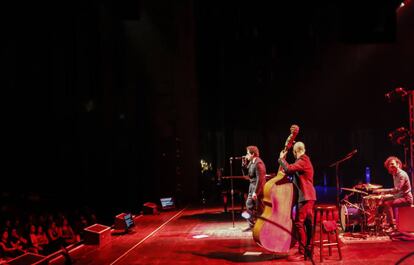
(246, 215)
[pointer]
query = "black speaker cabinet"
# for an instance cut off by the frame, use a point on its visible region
(150, 208)
(124, 221)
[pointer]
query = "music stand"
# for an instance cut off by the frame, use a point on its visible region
(336, 164)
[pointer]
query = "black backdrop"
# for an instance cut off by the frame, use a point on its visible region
(115, 104)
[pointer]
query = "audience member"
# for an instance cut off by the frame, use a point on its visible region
(67, 233)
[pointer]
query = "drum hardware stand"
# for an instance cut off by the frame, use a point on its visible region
(379, 224)
(356, 206)
(336, 165)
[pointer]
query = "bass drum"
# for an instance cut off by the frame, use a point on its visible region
(351, 217)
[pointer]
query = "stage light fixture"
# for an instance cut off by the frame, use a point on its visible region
(400, 136)
(397, 93)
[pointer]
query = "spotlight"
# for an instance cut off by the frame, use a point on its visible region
(399, 136)
(399, 92)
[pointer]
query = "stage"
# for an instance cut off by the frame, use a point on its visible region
(208, 235)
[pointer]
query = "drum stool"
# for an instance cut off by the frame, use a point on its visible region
(325, 214)
(405, 221)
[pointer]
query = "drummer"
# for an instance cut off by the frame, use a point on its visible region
(401, 192)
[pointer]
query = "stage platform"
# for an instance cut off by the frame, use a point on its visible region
(209, 236)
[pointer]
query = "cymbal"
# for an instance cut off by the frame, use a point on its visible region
(368, 186)
(355, 190)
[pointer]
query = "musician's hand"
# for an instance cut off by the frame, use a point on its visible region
(254, 196)
(282, 154)
(244, 161)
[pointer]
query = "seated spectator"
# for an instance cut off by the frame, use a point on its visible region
(34, 244)
(17, 240)
(42, 239)
(80, 225)
(8, 250)
(54, 234)
(69, 237)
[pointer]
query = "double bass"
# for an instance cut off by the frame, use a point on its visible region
(272, 229)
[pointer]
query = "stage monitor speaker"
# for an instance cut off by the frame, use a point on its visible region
(167, 203)
(124, 221)
(97, 234)
(27, 259)
(150, 208)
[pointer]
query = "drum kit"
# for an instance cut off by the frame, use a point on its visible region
(364, 213)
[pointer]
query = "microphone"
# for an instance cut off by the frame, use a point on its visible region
(353, 152)
(237, 157)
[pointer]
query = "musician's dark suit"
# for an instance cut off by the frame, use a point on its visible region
(257, 174)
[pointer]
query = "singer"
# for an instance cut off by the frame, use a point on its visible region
(257, 175)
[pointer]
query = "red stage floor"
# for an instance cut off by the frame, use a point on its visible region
(207, 236)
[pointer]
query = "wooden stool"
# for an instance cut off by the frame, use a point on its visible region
(325, 212)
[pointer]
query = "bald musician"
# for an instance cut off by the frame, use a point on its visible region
(303, 180)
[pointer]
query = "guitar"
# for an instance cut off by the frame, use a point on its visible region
(272, 229)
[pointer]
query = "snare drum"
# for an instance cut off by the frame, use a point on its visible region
(372, 201)
(351, 216)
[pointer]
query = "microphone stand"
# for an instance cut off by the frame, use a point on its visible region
(336, 165)
(232, 190)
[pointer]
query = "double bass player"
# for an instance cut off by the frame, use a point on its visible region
(302, 171)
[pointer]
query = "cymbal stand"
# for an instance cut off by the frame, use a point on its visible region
(356, 206)
(336, 165)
